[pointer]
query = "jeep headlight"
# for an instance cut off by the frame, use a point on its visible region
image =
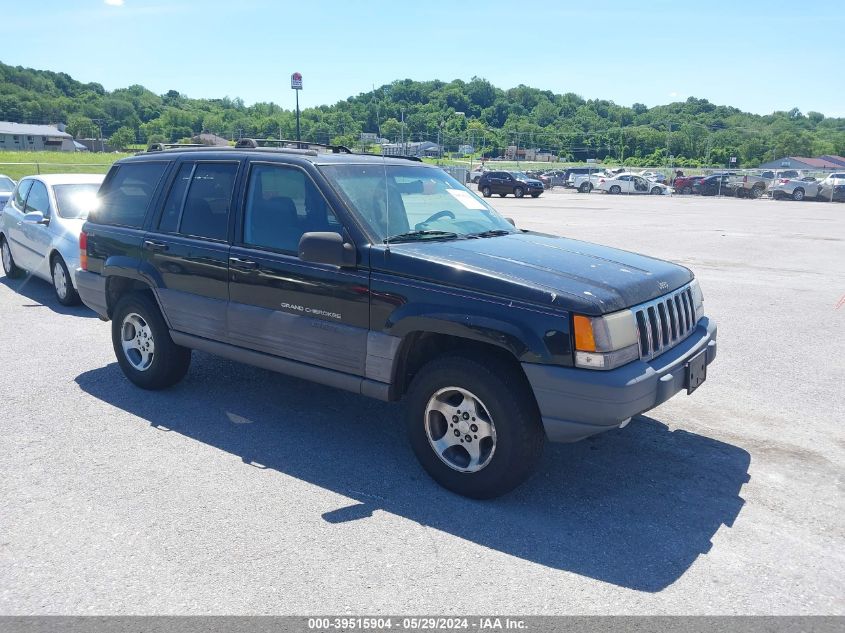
(605, 342)
(697, 300)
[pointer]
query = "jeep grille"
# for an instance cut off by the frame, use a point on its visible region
(664, 322)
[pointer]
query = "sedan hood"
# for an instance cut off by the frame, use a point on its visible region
(543, 269)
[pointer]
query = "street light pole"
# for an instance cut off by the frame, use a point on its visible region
(296, 84)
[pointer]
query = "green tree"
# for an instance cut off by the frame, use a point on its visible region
(122, 138)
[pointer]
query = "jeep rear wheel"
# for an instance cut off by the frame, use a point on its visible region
(474, 425)
(145, 352)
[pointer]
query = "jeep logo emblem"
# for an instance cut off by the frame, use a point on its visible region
(663, 285)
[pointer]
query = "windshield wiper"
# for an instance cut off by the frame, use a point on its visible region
(491, 233)
(422, 234)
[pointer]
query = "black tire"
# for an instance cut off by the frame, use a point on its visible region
(535, 195)
(506, 395)
(686, 190)
(476, 179)
(757, 192)
(798, 194)
(485, 191)
(169, 361)
(518, 192)
(586, 187)
(62, 283)
(9, 267)
(615, 189)
(656, 191)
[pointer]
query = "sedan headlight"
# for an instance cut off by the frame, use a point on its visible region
(605, 342)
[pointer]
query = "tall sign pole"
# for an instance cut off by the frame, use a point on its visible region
(296, 84)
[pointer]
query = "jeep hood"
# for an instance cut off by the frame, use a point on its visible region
(537, 268)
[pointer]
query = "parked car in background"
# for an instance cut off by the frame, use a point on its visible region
(536, 175)
(655, 176)
(40, 226)
(686, 184)
(632, 183)
(571, 174)
(509, 182)
(7, 186)
(747, 185)
(475, 175)
(557, 177)
(833, 187)
(795, 188)
(585, 183)
(713, 185)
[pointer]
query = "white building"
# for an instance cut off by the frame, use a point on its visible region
(22, 136)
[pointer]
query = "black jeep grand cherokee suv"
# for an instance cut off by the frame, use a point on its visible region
(388, 278)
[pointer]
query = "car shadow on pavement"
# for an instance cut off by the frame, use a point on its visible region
(42, 293)
(634, 507)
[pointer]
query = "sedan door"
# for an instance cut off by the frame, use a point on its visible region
(34, 236)
(279, 304)
(13, 222)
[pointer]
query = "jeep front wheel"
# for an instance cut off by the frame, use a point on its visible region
(145, 352)
(485, 191)
(474, 425)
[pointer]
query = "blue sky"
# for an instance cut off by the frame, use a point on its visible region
(758, 56)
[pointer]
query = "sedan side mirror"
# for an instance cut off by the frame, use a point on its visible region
(326, 248)
(36, 217)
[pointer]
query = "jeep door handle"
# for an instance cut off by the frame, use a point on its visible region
(243, 264)
(152, 245)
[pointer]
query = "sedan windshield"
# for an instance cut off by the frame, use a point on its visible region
(75, 201)
(7, 185)
(411, 202)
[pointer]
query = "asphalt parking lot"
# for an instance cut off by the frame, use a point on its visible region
(240, 491)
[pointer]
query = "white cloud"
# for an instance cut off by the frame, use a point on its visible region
(671, 94)
(114, 3)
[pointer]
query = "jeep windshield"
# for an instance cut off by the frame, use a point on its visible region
(410, 202)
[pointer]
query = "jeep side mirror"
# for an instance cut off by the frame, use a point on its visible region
(326, 248)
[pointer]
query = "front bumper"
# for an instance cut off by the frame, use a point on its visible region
(576, 403)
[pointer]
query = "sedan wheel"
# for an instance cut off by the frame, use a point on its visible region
(686, 191)
(656, 191)
(798, 194)
(62, 285)
(9, 266)
(615, 189)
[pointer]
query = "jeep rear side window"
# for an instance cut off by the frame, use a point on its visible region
(125, 196)
(205, 212)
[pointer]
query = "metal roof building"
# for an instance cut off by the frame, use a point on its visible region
(803, 162)
(23, 136)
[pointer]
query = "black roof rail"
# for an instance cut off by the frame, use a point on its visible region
(284, 143)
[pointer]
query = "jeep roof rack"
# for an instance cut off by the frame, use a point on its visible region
(283, 143)
(159, 147)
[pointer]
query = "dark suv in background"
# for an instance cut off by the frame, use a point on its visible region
(509, 182)
(388, 278)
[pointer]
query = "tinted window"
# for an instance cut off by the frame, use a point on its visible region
(283, 203)
(206, 209)
(38, 200)
(20, 194)
(173, 205)
(75, 201)
(125, 197)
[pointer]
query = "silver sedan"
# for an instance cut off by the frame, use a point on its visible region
(40, 226)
